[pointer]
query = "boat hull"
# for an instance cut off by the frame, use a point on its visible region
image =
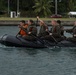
(10, 40)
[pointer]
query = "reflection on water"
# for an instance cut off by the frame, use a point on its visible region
(55, 61)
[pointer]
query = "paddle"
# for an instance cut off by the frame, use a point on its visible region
(39, 39)
(37, 22)
(17, 34)
(54, 39)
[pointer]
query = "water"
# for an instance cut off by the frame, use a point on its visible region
(29, 61)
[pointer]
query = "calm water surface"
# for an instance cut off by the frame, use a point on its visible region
(28, 61)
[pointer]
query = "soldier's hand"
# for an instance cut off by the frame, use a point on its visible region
(37, 17)
(50, 33)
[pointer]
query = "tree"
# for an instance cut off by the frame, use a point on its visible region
(74, 1)
(13, 5)
(70, 5)
(42, 7)
(62, 6)
(2, 5)
(26, 4)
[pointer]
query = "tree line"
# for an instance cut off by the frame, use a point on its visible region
(43, 8)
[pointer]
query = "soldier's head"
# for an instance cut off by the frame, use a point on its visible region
(30, 22)
(53, 22)
(75, 23)
(59, 22)
(22, 22)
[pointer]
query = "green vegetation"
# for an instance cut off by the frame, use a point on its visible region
(45, 19)
(42, 7)
(32, 8)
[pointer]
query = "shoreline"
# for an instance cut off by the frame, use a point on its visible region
(7, 21)
(16, 22)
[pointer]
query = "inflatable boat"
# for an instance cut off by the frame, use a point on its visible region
(10, 40)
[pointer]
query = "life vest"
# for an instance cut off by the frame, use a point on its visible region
(31, 28)
(54, 30)
(22, 32)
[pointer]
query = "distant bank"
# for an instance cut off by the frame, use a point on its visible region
(16, 21)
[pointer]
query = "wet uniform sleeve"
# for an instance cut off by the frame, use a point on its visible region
(34, 31)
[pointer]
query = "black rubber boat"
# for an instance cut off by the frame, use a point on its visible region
(10, 40)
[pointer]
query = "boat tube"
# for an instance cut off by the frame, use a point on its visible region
(10, 40)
